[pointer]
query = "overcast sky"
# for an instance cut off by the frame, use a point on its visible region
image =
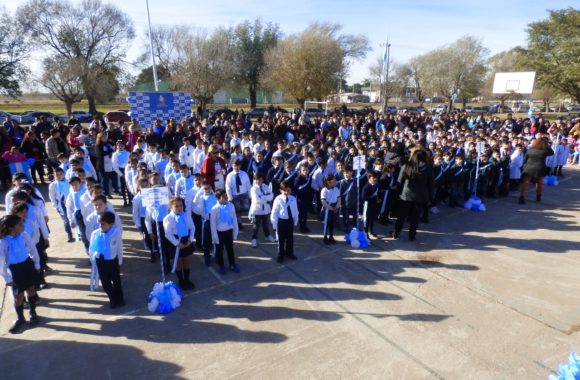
(413, 27)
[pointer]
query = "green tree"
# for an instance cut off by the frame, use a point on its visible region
(13, 54)
(251, 42)
(146, 75)
(93, 34)
(553, 51)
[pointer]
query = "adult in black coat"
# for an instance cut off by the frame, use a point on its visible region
(535, 167)
(417, 185)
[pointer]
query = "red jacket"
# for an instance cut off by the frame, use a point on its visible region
(208, 170)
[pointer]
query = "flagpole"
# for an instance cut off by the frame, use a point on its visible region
(386, 78)
(151, 49)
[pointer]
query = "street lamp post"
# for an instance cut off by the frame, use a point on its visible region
(386, 79)
(151, 49)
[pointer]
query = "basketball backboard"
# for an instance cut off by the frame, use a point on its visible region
(514, 83)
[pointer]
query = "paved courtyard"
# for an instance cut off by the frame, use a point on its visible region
(493, 295)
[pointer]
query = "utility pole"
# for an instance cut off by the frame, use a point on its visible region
(151, 49)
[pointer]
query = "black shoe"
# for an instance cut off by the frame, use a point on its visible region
(424, 219)
(34, 319)
(120, 304)
(393, 235)
(292, 257)
(188, 285)
(522, 201)
(374, 235)
(326, 241)
(16, 326)
(306, 230)
(412, 238)
(240, 227)
(331, 240)
(44, 286)
(47, 269)
(280, 259)
(538, 197)
(153, 258)
(303, 230)
(71, 239)
(125, 204)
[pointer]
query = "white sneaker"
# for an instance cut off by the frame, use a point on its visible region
(271, 238)
(254, 243)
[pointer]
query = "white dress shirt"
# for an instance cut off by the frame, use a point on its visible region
(280, 209)
(231, 187)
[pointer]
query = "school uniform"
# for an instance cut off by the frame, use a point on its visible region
(238, 187)
(58, 192)
(19, 262)
(183, 185)
(171, 181)
(92, 221)
(195, 212)
(179, 228)
(284, 218)
(120, 160)
(20, 265)
(139, 213)
(260, 209)
(348, 197)
(386, 181)
(317, 184)
(154, 224)
(198, 157)
(74, 208)
(224, 230)
(131, 178)
(304, 194)
(160, 169)
(186, 156)
(329, 198)
(456, 178)
(106, 252)
(205, 203)
(274, 178)
(370, 196)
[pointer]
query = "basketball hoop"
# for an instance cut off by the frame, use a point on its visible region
(511, 92)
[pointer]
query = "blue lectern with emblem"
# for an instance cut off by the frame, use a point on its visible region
(146, 107)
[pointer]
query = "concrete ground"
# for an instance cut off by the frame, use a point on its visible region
(491, 295)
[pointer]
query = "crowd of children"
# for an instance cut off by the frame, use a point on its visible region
(226, 170)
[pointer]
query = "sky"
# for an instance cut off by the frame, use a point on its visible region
(412, 27)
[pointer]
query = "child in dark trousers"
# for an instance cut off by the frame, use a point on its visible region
(205, 200)
(303, 191)
(20, 267)
(224, 230)
(106, 250)
(330, 200)
(369, 196)
(180, 232)
(348, 195)
(284, 218)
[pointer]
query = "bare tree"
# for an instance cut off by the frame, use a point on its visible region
(92, 33)
(458, 69)
(64, 80)
(308, 65)
(202, 64)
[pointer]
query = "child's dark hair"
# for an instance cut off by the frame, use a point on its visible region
(59, 169)
(25, 186)
(219, 193)
(328, 178)
(7, 223)
(19, 176)
(18, 207)
(258, 175)
(99, 198)
(73, 180)
(286, 185)
(21, 196)
(107, 217)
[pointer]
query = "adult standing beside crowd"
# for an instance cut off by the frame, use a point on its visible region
(535, 167)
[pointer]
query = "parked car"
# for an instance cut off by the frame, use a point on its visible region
(3, 115)
(440, 108)
(495, 108)
(255, 113)
(574, 108)
(315, 112)
(392, 109)
(117, 116)
(81, 116)
(218, 112)
(29, 117)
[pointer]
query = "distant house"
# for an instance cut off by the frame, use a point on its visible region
(348, 97)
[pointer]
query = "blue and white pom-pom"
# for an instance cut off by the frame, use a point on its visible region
(474, 204)
(356, 239)
(164, 298)
(551, 180)
(570, 370)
